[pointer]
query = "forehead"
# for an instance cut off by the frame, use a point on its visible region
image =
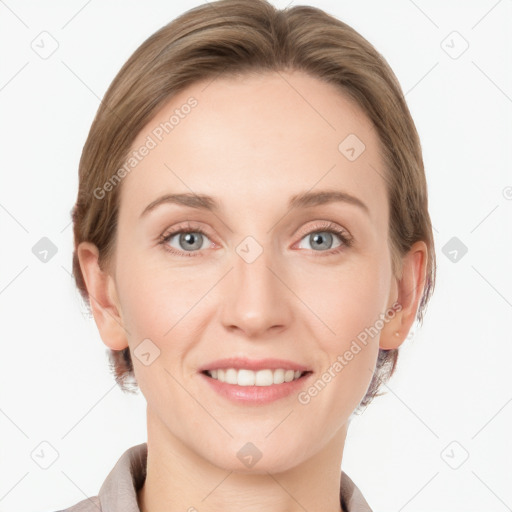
(257, 139)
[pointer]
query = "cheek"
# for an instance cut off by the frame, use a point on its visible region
(150, 293)
(349, 303)
(346, 300)
(350, 345)
(161, 304)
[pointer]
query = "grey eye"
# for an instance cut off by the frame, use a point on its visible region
(319, 240)
(189, 241)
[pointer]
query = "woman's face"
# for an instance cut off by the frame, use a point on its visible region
(265, 280)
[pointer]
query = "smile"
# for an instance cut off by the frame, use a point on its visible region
(244, 377)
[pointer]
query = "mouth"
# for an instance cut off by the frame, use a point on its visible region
(255, 383)
(263, 377)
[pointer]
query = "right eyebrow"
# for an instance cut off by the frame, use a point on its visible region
(198, 201)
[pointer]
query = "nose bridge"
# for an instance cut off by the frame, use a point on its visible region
(256, 299)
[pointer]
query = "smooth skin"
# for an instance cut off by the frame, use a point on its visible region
(252, 142)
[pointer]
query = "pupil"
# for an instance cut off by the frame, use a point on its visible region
(191, 241)
(319, 238)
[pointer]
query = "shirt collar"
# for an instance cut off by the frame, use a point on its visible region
(119, 490)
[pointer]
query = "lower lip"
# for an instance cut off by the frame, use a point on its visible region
(256, 394)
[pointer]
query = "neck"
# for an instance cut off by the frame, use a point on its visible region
(178, 478)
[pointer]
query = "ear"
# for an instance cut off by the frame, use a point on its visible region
(102, 297)
(408, 290)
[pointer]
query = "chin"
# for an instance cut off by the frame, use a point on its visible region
(245, 457)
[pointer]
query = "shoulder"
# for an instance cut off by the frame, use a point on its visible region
(88, 505)
(351, 497)
(118, 493)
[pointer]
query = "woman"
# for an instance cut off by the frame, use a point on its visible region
(253, 237)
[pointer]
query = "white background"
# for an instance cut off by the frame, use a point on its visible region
(453, 381)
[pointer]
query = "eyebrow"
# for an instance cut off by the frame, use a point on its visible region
(303, 200)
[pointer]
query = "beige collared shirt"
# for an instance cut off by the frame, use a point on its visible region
(118, 492)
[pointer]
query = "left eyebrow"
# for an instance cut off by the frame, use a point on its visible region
(302, 200)
(309, 199)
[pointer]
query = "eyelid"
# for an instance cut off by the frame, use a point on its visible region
(188, 226)
(328, 226)
(185, 226)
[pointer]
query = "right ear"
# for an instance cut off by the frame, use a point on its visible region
(102, 297)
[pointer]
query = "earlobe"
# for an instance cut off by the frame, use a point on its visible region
(409, 290)
(102, 297)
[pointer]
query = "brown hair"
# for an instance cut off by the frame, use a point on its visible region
(230, 37)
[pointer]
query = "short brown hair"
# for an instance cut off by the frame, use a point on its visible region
(232, 37)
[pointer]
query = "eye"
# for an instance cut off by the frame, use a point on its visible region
(322, 238)
(187, 240)
(190, 240)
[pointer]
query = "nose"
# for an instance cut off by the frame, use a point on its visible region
(256, 300)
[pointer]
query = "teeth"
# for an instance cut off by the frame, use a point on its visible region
(244, 377)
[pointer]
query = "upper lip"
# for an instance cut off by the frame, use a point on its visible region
(253, 364)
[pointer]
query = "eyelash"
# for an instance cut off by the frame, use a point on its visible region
(326, 226)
